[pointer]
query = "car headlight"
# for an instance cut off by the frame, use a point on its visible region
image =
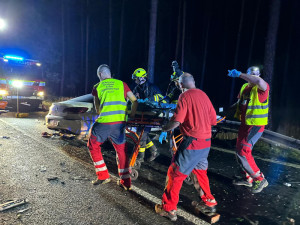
(40, 93)
(3, 92)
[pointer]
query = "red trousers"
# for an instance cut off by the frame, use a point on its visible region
(100, 166)
(247, 137)
(188, 161)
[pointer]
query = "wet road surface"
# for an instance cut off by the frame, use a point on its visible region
(70, 200)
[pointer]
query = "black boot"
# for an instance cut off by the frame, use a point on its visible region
(153, 153)
(140, 156)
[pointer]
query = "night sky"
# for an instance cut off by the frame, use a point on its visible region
(39, 29)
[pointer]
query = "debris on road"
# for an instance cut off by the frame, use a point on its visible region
(68, 136)
(5, 137)
(250, 221)
(287, 184)
(57, 135)
(12, 203)
(55, 180)
(23, 210)
(52, 178)
(46, 135)
(79, 178)
(43, 169)
(292, 221)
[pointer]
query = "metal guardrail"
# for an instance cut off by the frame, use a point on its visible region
(268, 136)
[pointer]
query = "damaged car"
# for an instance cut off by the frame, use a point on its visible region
(74, 116)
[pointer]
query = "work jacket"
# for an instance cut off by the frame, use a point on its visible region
(257, 112)
(112, 101)
(148, 90)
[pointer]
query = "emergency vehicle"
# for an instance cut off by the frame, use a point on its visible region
(21, 79)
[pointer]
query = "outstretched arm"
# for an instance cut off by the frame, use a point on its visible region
(261, 84)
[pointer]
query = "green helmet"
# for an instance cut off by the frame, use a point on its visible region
(140, 72)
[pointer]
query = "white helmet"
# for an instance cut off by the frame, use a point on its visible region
(253, 70)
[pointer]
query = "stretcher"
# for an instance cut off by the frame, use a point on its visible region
(155, 116)
(140, 122)
(150, 115)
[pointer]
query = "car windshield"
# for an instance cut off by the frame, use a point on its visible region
(85, 98)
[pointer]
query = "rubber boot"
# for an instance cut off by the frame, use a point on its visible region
(153, 153)
(141, 156)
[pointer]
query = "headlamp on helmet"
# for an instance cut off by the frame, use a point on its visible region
(253, 70)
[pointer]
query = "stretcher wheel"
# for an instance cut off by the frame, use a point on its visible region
(137, 164)
(188, 180)
(134, 174)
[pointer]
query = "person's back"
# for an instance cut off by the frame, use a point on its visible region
(199, 116)
(194, 115)
(112, 101)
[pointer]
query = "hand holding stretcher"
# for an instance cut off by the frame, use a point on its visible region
(154, 115)
(149, 114)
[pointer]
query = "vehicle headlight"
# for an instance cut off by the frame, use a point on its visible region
(17, 83)
(40, 93)
(3, 92)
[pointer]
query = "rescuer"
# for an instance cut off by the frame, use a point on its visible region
(194, 115)
(174, 90)
(110, 102)
(146, 91)
(252, 110)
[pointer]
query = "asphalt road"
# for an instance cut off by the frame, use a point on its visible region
(27, 161)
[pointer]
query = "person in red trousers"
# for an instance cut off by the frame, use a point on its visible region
(194, 115)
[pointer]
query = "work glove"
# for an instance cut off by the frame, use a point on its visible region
(234, 73)
(176, 69)
(143, 100)
(162, 137)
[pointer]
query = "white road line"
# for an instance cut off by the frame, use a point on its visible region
(257, 157)
(187, 216)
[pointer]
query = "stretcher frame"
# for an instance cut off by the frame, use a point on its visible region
(144, 122)
(141, 122)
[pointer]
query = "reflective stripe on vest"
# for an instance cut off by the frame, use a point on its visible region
(112, 102)
(257, 112)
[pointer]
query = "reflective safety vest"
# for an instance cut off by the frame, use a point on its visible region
(112, 102)
(257, 112)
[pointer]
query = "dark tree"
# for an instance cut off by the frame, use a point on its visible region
(87, 48)
(152, 39)
(178, 30)
(62, 81)
(205, 47)
(82, 44)
(110, 34)
(121, 38)
(270, 49)
(253, 32)
(183, 33)
(237, 48)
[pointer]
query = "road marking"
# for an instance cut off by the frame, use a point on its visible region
(187, 216)
(257, 157)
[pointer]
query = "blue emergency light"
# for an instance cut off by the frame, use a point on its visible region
(13, 57)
